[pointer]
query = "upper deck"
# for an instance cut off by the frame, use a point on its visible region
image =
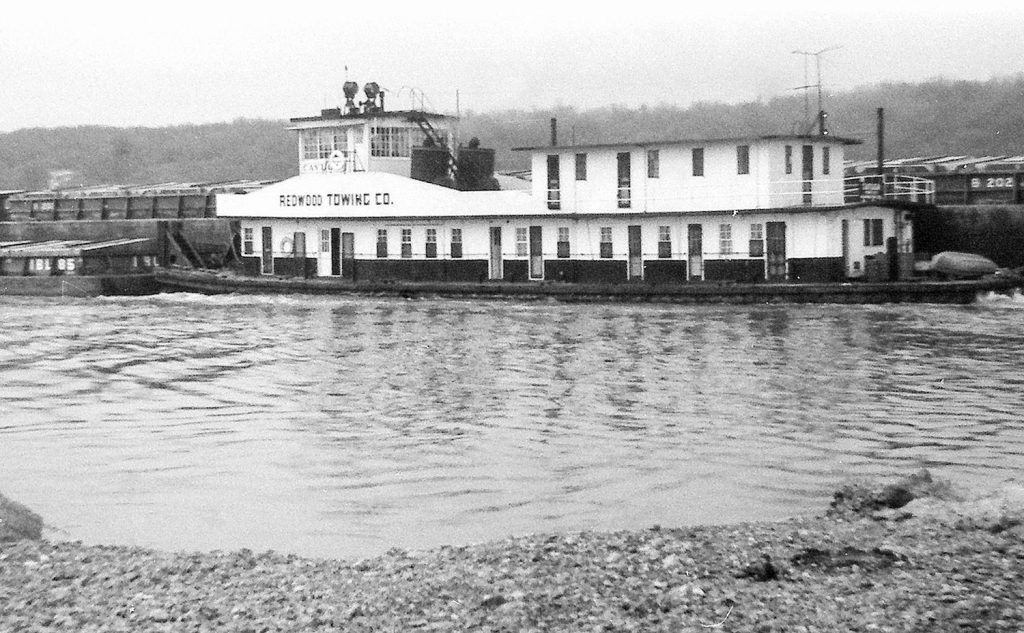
(758, 172)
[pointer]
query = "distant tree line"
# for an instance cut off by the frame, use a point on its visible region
(933, 117)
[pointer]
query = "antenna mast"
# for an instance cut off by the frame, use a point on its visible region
(822, 130)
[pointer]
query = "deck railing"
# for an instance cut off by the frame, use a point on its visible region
(889, 187)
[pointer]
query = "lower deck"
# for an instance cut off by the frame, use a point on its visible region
(827, 245)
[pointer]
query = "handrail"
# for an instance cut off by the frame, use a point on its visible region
(772, 194)
(889, 187)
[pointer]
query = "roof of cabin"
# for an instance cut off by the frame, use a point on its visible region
(65, 248)
(334, 114)
(695, 141)
(153, 189)
(958, 163)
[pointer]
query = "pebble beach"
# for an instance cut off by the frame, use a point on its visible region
(907, 556)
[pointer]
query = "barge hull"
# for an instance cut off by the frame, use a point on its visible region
(949, 292)
(79, 285)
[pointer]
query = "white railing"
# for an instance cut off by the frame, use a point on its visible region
(889, 187)
(711, 196)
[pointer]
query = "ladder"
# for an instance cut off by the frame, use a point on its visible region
(428, 130)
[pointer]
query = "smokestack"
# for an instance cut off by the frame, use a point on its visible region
(554, 131)
(881, 141)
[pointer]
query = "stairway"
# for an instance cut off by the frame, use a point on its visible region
(187, 251)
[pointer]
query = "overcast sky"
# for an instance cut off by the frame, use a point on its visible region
(180, 62)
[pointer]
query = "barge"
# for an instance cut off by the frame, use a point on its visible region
(86, 241)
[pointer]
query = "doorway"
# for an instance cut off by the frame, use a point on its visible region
(808, 172)
(348, 256)
(775, 249)
(536, 253)
(695, 244)
(267, 252)
(335, 252)
(495, 269)
(636, 256)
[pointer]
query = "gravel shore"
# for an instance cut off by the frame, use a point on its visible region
(893, 558)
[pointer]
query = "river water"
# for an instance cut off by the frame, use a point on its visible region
(346, 426)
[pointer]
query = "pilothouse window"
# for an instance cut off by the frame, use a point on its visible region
(320, 143)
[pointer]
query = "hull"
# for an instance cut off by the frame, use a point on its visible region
(79, 285)
(957, 292)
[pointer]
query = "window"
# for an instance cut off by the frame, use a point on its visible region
(624, 180)
(581, 166)
(873, 233)
(756, 240)
(698, 161)
(456, 243)
(725, 239)
(522, 242)
(789, 159)
(391, 142)
(653, 163)
(742, 159)
(322, 143)
(606, 242)
(563, 241)
(826, 159)
(325, 240)
(247, 241)
(431, 244)
(554, 195)
(407, 243)
(382, 242)
(664, 242)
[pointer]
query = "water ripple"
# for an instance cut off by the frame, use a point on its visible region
(344, 426)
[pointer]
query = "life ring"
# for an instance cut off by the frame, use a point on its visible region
(287, 245)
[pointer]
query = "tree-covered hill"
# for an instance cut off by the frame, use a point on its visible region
(245, 148)
(937, 116)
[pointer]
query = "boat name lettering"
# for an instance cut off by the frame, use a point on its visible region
(1000, 182)
(335, 200)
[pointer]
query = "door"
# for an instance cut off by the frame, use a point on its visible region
(496, 272)
(299, 253)
(775, 249)
(636, 257)
(695, 243)
(267, 252)
(846, 247)
(348, 256)
(808, 172)
(536, 253)
(335, 252)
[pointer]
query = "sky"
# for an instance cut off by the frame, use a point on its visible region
(117, 63)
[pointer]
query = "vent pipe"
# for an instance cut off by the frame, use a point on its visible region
(881, 141)
(554, 131)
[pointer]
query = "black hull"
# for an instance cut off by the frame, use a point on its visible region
(79, 285)
(950, 292)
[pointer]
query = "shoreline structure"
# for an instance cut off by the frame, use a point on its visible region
(907, 556)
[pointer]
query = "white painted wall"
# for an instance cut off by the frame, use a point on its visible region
(358, 136)
(677, 189)
(809, 234)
